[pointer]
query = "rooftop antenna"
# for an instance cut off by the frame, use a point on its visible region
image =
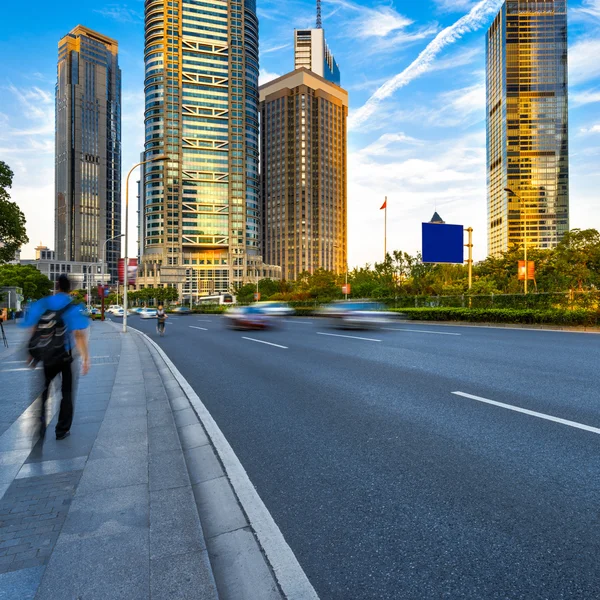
(319, 23)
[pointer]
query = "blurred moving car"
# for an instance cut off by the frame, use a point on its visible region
(275, 309)
(182, 310)
(113, 307)
(248, 317)
(148, 313)
(117, 312)
(136, 310)
(357, 315)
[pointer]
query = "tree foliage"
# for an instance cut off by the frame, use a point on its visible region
(35, 285)
(573, 265)
(13, 234)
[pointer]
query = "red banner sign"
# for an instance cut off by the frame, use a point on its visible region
(131, 271)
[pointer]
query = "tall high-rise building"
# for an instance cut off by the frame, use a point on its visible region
(88, 149)
(201, 207)
(527, 125)
(312, 52)
(303, 173)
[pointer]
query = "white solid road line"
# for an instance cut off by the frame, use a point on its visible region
(263, 342)
(420, 331)
(531, 413)
(352, 337)
(194, 327)
(204, 320)
(280, 556)
(299, 322)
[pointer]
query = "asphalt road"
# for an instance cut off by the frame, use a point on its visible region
(384, 482)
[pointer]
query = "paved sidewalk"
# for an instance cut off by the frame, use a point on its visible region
(110, 511)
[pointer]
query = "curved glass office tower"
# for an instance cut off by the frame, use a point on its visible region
(200, 209)
(527, 125)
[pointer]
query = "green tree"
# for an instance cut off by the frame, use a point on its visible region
(13, 234)
(35, 285)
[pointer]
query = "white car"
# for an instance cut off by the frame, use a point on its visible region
(274, 309)
(148, 313)
(117, 312)
(113, 308)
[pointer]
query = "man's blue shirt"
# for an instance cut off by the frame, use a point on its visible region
(73, 317)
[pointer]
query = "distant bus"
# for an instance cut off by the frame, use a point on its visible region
(222, 299)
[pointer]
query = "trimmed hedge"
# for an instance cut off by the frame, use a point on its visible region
(573, 318)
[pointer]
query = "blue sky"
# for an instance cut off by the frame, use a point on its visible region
(415, 74)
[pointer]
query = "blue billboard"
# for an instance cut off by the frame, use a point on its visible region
(443, 243)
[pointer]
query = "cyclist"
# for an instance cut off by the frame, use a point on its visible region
(161, 317)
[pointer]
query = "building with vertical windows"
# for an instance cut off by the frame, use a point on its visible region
(201, 207)
(88, 149)
(527, 125)
(303, 173)
(312, 52)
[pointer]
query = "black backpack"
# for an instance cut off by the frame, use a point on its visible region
(48, 344)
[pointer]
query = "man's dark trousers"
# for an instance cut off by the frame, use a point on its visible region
(65, 416)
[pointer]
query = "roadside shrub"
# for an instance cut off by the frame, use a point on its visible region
(528, 316)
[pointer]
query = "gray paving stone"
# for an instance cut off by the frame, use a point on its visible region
(174, 523)
(183, 577)
(179, 403)
(108, 512)
(114, 567)
(184, 417)
(126, 412)
(218, 507)
(202, 464)
(160, 418)
(163, 439)
(104, 473)
(49, 467)
(122, 427)
(192, 436)
(168, 470)
(241, 572)
(13, 457)
(21, 585)
(134, 445)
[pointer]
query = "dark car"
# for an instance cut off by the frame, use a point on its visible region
(182, 310)
(247, 317)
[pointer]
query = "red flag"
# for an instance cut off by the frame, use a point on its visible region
(384, 205)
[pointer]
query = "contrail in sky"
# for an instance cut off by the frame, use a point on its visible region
(477, 17)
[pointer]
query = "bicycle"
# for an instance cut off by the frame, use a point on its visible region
(160, 328)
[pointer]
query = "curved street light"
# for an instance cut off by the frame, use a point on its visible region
(126, 259)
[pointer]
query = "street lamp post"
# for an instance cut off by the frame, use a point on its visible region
(513, 193)
(104, 269)
(126, 259)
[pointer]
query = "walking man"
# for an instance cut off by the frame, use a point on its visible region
(57, 321)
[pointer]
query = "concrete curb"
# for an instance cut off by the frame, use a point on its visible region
(232, 574)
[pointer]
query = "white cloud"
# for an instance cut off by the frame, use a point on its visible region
(472, 21)
(266, 76)
(583, 60)
(418, 177)
(121, 13)
(589, 8)
(593, 129)
(580, 98)
(455, 5)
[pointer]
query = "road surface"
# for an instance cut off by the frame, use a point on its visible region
(388, 484)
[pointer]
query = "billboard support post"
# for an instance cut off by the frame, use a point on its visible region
(469, 245)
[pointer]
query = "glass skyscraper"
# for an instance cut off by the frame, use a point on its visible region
(88, 149)
(527, 125)
(312, 52)
(201, 208)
